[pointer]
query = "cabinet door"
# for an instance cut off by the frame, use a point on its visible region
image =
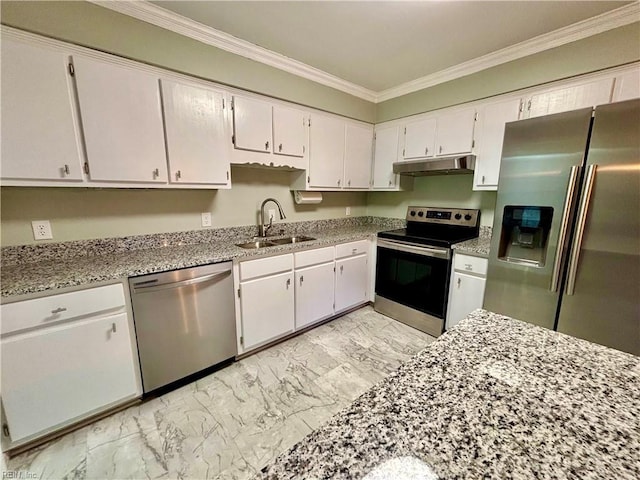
(570, 97)
(288, 131)
(420, 138)
(63, 373)
(314, 294)
(252, 124)
(627, 86)
(489, 138)
(326, 151)
(267, 309)
(385, 153)
(467, 294)
(358, 155)
(197, 147)
(39, 136)
(121, 122)
(454, 132)
(351, 282)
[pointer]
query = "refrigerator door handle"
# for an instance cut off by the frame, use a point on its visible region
(580, 224)
(564, 227)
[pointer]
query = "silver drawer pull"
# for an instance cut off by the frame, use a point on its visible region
(58, 310)
(468, 266)
(113, 327)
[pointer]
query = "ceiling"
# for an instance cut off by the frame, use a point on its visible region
(378, 46)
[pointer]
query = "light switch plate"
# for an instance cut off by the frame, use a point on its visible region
(41, 230)
(206, 219)
(347, 211)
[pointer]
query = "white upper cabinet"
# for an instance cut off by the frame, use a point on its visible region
(197, 143)
(121, 122)
(454, 132)
(492, 119)
(570, 97)
(39, 134)
(288, 131)
(326, 151)
(420, 138)
(252, 124)
(627, 85)
(358, 155)
(385, 153)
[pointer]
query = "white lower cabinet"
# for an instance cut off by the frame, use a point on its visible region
(58, 369)
(314, 294)
(466, 290)
(352, 274)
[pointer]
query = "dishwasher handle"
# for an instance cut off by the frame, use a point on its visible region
(143, 288)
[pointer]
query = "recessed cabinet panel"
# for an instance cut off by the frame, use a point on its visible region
(58, 374)
(197, 147)
(419, 138)
(385, 153)
(454, 132)
(627, 86)
(351, 282)
(267, 306)
(358, 155)
(489, 138)
(573, 97)
(314, 294)
(466, 295)
(252, 124)
(121, 122)
(326, 151)
(39, 135)
(288, 131)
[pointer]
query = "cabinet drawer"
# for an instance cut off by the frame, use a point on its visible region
(352, 248)
(470, 264)
(265, 266)
(38, 312)
(314, 257)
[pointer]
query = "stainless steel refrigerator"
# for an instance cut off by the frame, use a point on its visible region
(565, 251)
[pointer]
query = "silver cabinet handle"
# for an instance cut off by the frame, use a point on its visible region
(266, 146)
(178, 175)
(440, 150)
(58, 310)
(564, 227)
(301, 279)
(156, 173)
(580, 224)
(390, 182)
(288, 283)
(66, 169)
(459, 281)
(483, 179)
(113, 327)
(426, 150)
(341, 269)
(339, 182)
(354, 251)
(280, 147)
(349, 183)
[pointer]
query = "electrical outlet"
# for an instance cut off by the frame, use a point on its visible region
(206, 219)
(347, 211)
(272, 214)
(41, 230)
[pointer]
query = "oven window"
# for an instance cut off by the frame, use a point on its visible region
(413, 280)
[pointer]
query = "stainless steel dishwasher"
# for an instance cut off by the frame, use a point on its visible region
(184, 322)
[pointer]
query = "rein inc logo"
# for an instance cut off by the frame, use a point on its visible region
(18, 474)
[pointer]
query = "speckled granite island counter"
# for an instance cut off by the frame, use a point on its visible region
(39, 268)
(493, 398)
(478, 247)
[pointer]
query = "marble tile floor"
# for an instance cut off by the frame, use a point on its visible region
(231, 423)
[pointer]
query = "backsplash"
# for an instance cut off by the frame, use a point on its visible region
(22, 254)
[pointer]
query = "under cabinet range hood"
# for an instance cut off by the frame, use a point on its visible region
(454, 165)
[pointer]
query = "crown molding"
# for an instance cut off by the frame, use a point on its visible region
(577, 31)
(150, 13)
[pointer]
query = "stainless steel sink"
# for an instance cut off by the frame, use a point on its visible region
(274, 242)
(256, 244)
(295, 239)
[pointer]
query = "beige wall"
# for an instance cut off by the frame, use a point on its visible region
(439, 191)
(606, 50)
(96, 27)
(85, 213)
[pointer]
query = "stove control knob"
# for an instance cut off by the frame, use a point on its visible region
(458, 216)
(413, 213)
(421, 214)
(467, 217)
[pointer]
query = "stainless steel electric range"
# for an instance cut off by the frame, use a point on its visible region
(414, 263)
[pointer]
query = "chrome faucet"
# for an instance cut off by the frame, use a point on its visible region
(263, 229)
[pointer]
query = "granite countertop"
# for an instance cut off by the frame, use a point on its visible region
(54, 273)
(492, 398)
(478, 247)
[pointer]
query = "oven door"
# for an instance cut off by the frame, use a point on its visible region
(412, 283)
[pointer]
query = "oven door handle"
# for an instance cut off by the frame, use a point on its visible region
(421, 250)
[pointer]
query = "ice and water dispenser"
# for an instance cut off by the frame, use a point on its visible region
(525, 234)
